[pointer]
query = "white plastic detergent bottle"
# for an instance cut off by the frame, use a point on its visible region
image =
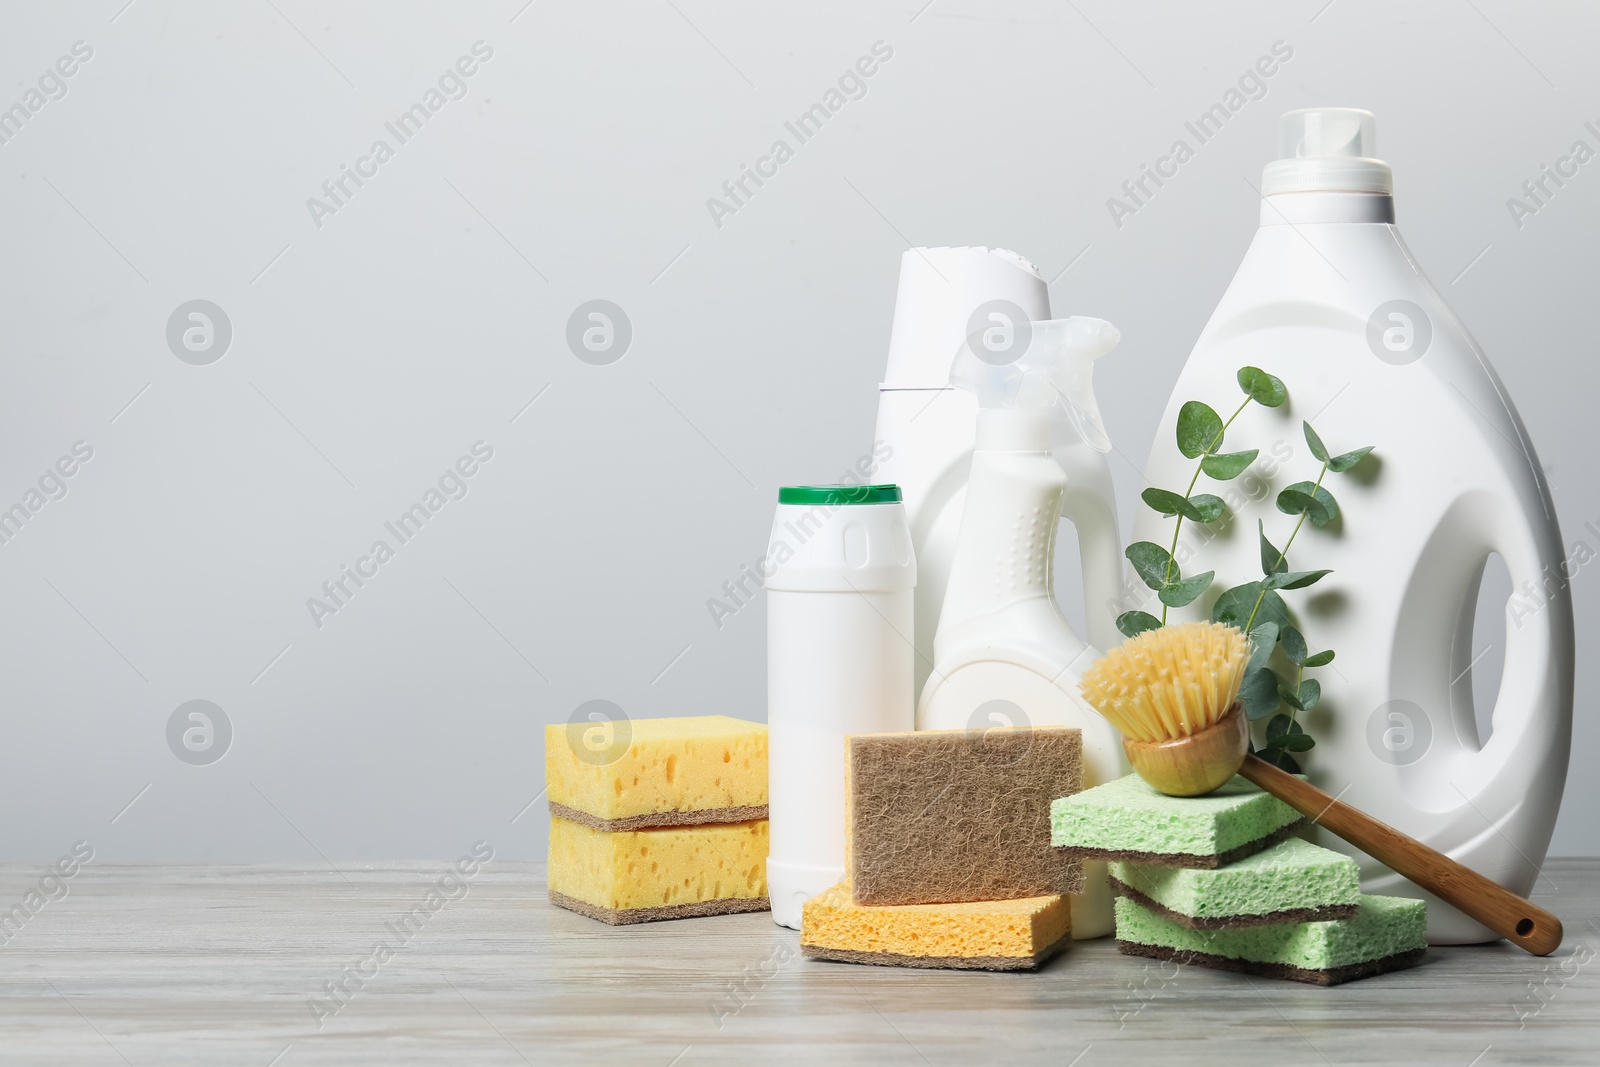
(838, 663)
(1003, 652)
(1331, 300)
(927, 426)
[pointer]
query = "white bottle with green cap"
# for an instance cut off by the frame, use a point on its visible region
(839, 662)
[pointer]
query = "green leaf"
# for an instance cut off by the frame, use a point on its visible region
(1282, 760)
(1259, 694)
(1279, 727)
(1286, 735)
(1311, 500)
(1294, 646)
(1234, 606)
(1207, 508)
(1165, 501)
(1134, 623)
(1263, 639)
(1152, 563)
(1294, 579)
(1318, 449)
(1305, 697)
(1273, 609)
(1203, 507)
(1321, 659)
(1199, 429)
(1178, 594)
(1224, 466)
(1272, 561)
(1341, 463)
(1262, 387)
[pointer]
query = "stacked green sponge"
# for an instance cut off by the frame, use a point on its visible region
(1219, 881)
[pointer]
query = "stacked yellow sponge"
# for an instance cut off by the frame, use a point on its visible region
(658, 818)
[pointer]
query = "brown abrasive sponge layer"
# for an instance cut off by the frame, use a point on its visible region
(947, 816)
(691, 910)
(1234, 922)
(1323, 976)
(653, 820)
(957, 963)
(1185, 859)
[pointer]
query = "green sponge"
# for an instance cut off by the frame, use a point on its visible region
(1386, 934)
(1128, 820)
(1293, 881)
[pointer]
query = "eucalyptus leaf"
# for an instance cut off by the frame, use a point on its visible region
(1199, 429)
(1281, 760)
(1311, 500)
(1152, 563)
(1164, 501)
(1134, 623)
(1262, 387)
(1294, 579)
(1294, 646)
(1273, 609)
(1321, 659)
(1178, 594)
(1279, 727)
(1318, 449)
(1263, 639)
(1234, 605)
(1299, 742)
(1272, 561)
(1310, 694)
(1289, 697)
(1224, 466)
(1341, 463)
(1259, 693)
(1206, 507)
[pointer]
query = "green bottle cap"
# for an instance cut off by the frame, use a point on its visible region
(832, 495)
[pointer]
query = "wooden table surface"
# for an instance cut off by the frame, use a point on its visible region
(229, 965)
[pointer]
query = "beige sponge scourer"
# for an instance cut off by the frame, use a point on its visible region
(635, 774)
(1003, 935)
(947, 816)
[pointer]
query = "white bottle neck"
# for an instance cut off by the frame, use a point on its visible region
(1295, 209)
(1013, 430)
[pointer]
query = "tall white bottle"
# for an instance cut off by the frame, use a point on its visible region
(1003, 652)
(838, 663)
(1331, 300)
(929, 426)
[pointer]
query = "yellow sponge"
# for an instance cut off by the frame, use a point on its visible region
(636, 876)
(629, 775)
(1001, 935)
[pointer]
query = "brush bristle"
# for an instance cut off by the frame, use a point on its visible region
(1171, 682)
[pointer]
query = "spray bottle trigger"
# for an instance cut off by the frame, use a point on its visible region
(1082, 340)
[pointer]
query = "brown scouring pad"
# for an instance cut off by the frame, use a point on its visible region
(946, 816)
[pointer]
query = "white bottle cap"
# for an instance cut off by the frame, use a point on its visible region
(1327, 149)
(940, 291)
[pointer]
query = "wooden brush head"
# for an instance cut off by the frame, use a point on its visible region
(1172, 693)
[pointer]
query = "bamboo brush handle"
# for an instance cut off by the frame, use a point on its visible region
(1525, 925)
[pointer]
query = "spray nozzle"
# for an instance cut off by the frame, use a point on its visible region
(1018, 364)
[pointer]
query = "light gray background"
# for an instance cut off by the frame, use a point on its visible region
(370, 353)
